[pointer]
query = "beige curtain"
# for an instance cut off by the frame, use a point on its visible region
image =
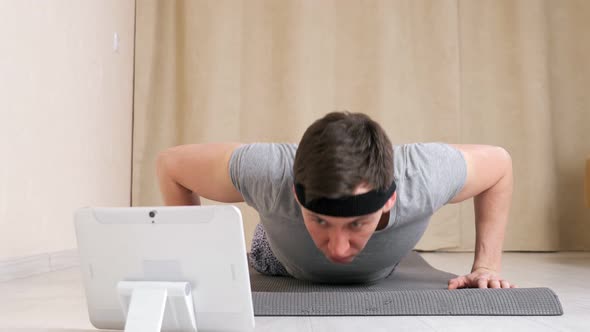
(509, 73)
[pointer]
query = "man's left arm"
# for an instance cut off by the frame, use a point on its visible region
(489, 181)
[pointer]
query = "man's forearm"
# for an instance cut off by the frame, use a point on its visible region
(492, 208)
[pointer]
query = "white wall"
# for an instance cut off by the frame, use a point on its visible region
(65, 117)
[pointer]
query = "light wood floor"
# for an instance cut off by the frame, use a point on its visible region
(54, 302)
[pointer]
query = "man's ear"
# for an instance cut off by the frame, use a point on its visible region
(390, 202)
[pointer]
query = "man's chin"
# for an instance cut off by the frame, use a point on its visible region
(341, 261)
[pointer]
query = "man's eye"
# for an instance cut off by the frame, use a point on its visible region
(320, 221)
(356, 224)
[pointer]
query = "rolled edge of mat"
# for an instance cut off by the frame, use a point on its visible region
(439, 302)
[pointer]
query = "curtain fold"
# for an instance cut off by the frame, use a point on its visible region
(508, 73)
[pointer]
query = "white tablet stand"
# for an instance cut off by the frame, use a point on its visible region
(145, 306)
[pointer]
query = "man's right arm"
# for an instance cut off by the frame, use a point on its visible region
(187, 172)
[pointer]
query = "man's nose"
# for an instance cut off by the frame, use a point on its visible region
(338, 245)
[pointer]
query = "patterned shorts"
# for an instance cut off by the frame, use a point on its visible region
(261, 257)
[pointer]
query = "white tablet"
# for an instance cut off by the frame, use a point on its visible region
(200, 250)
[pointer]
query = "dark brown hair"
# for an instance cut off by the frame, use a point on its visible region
(339, 152)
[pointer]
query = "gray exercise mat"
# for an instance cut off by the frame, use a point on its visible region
(415, 288)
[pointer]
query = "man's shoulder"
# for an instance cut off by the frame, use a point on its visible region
(263, 173)
(266, 153)
(423, 144)
(424, 149)
(269, 147)
(436, 169)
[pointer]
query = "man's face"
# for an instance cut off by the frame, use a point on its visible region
(341, 239)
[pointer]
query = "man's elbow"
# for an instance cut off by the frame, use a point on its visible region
(165, 161)
(506, 159)
(506, 164)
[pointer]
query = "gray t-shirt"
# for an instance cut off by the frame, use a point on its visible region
(428, 175)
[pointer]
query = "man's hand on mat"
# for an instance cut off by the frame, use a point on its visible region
(480, 278)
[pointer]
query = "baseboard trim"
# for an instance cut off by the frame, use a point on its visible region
(22, 267)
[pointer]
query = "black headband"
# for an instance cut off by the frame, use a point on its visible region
(347, 206)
